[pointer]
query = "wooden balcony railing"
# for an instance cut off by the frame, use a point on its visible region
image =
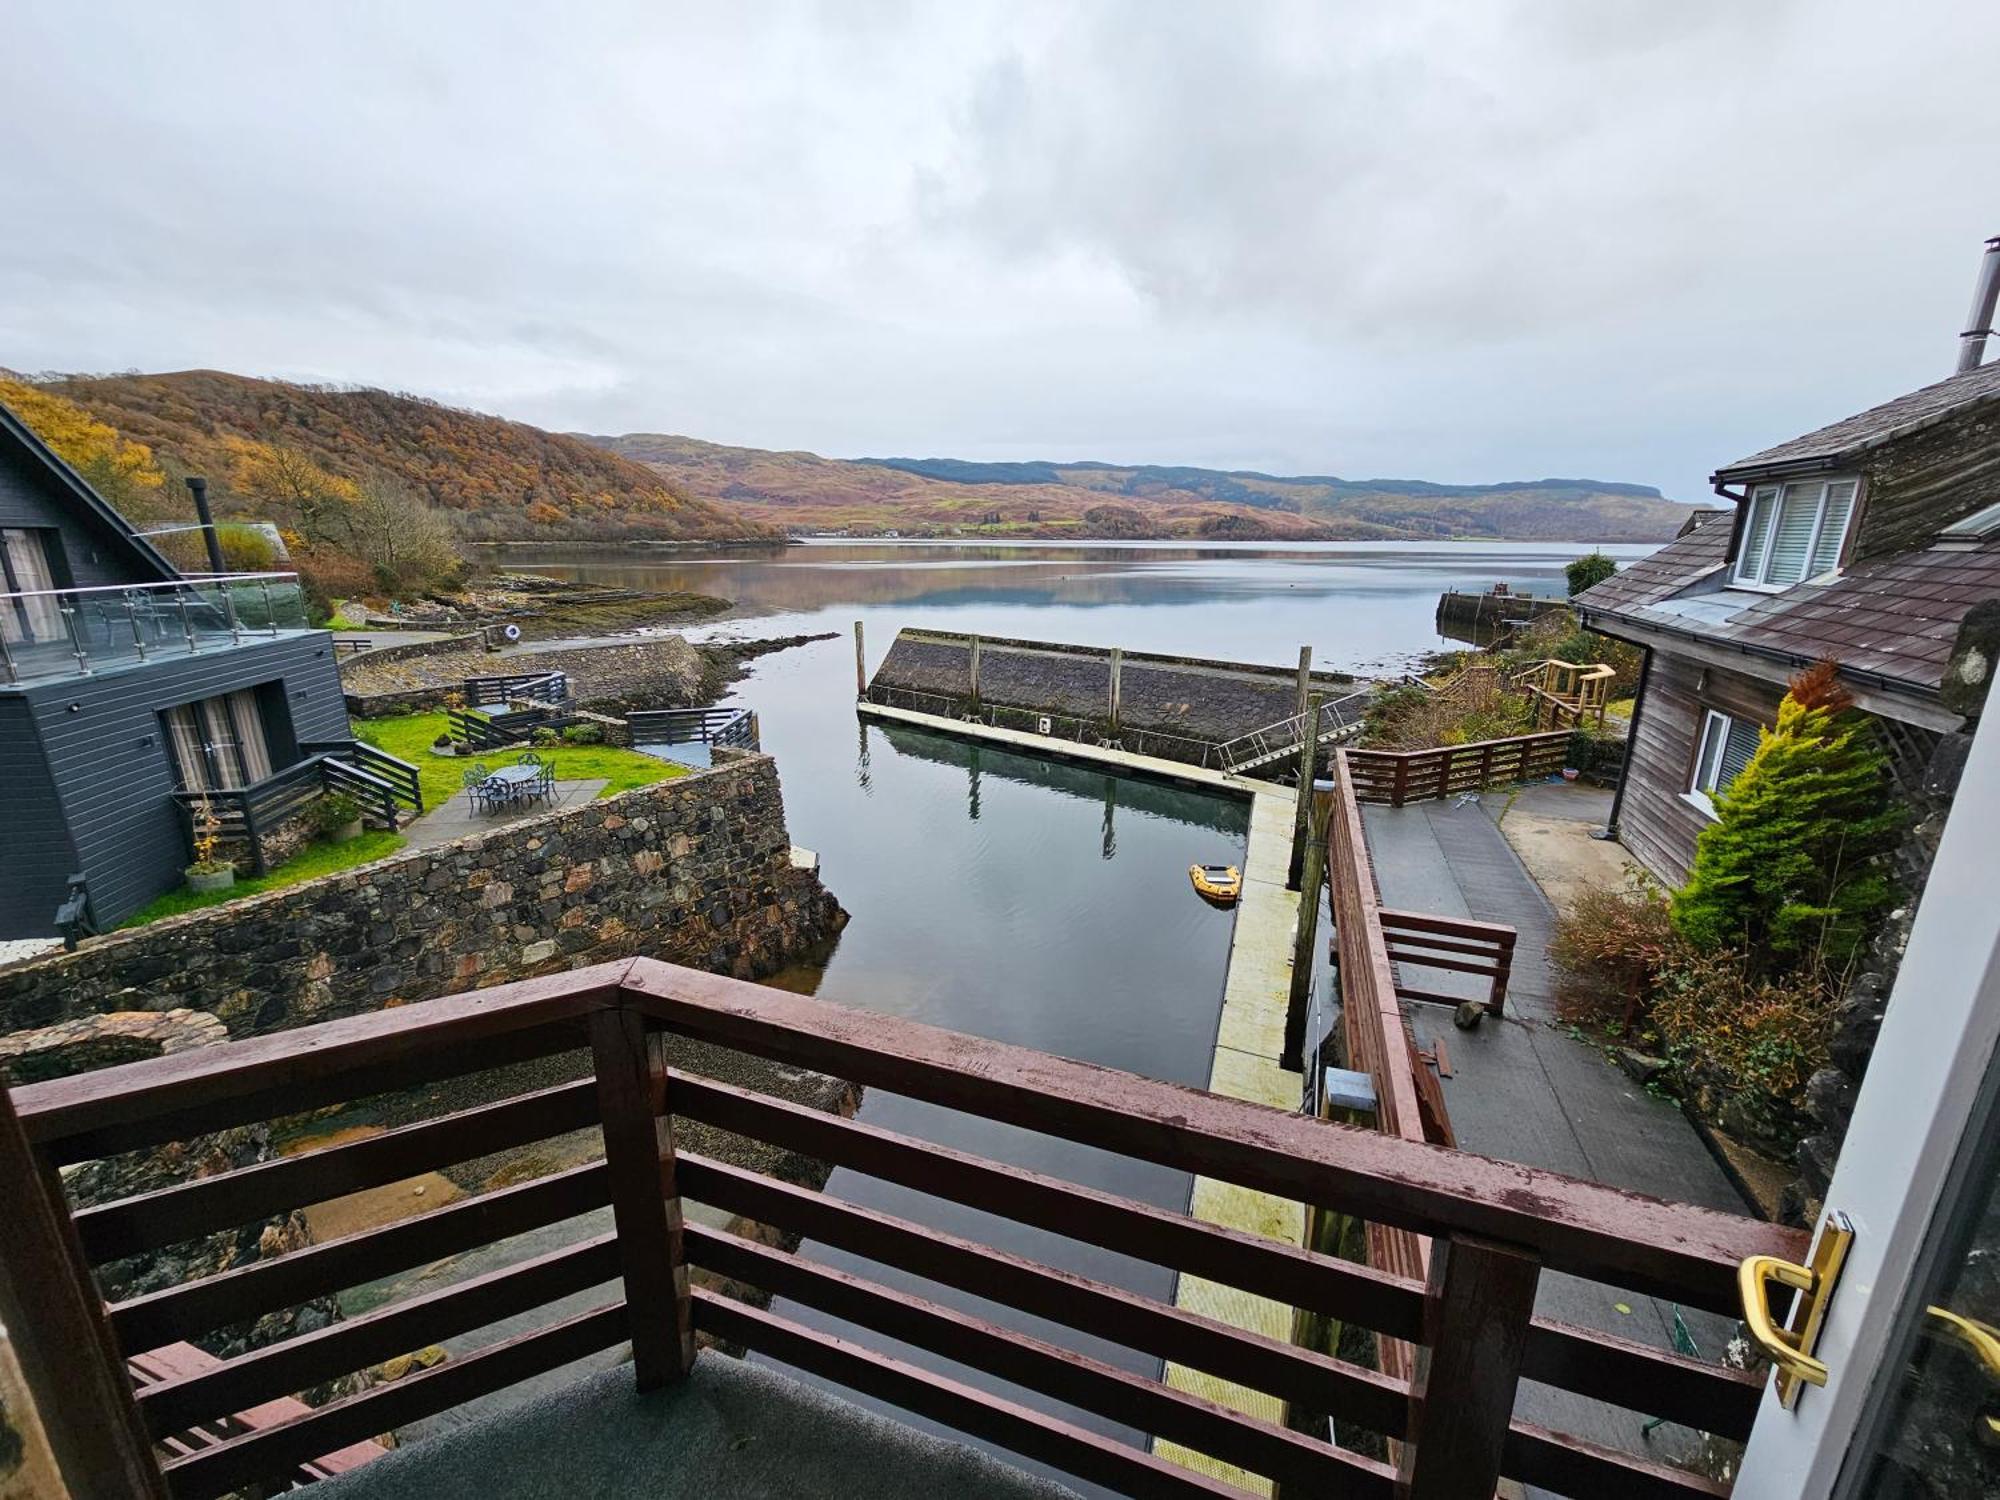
(1400, 776)
(1492, 1227)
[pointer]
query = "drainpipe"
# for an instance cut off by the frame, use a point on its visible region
(1979, 322)
(198, 487)
(1610, 829)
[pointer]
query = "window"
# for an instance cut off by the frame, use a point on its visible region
(219, 743)
(1726, 747)
(1794, 531)
(27, 562)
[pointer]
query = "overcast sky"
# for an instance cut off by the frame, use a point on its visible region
(1449, 239)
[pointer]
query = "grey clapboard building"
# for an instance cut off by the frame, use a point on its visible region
(129, 691)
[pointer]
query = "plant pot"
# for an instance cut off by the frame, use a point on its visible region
(347, 831)
(206, 881)
(1570, 773)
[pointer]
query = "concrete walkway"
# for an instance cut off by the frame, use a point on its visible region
(1524, 1090)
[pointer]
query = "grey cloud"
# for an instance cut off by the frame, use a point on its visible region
(1458, 241)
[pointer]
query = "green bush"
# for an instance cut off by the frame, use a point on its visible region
(1793, 871)
(332, 813)
(1588, 572)
(1765, 1035)
(584, 734)
(545, 737)
(1609, 948)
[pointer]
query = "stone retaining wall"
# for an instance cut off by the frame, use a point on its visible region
(694, 871)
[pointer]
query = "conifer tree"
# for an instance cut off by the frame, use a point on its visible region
(1795, 866)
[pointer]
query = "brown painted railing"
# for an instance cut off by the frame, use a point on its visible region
(1400, 776)
(1493, 1227)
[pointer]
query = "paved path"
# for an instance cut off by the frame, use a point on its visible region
(1524, 1090)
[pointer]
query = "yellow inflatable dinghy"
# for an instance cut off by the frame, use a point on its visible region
(1221, 884)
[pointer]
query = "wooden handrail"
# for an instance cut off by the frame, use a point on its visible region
(1492, 1215)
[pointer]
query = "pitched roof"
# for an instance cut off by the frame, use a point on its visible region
(20, 438)
(1894, 618)
(1665, 573)
(1877, 425)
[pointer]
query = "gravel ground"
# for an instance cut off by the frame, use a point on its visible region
(657, 672)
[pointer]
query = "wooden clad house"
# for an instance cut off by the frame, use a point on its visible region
(128, 692)
(1866, 542)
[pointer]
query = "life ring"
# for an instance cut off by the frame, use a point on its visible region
(511, 632)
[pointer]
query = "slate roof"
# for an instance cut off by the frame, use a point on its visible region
(1877, 425)
(1665, 573)
(1893, 617)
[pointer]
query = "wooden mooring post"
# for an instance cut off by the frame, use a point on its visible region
(1302, 804)
(1117, 678)
(860, 665)
(973, 687)
(1305, 940)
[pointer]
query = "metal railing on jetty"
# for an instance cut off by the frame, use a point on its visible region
(1493, 1228)
(1082, 731)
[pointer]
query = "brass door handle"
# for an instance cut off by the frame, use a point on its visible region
(1982, 1340)
(1779, 1345)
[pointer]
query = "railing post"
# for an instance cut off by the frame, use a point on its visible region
(1477, 1305)
(138, 635)
(56, 1321)
(1401, 788)
(187, 620)
(645, 1200)
(7, 659)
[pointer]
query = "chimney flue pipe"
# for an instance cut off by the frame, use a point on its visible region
(1979, 322)
(198, 487)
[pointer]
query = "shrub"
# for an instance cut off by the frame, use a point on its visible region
(584, 734)
(1588, 572)
(332, 813)
(1765, 1036)
(544, 737)
(1794, 865)
(1609, 948)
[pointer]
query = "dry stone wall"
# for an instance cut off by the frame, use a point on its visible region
(695, 871)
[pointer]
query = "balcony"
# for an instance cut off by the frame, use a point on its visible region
(1460, 1243)
(54, 634)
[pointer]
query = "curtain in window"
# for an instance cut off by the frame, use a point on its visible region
(250, 741)
(28, 571)
(190, 759)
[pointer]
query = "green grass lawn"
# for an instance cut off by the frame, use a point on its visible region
(409, 737)
(309, 863)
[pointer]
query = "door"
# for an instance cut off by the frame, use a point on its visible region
(1911, 1339)
(219, 743)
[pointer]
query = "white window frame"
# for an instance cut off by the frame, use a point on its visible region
(1781, 491)
(1710, 745)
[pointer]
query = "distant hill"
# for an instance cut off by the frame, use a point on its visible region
(944, 496)
(505, 479)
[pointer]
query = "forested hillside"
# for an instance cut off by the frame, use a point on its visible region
(498, 479)
(803, 491)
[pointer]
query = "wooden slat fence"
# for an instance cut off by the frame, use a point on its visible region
(1495, 1227)
(1400, 776)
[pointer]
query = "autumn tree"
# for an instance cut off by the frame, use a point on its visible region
(411, 545)
(121, 471)
(301, 495)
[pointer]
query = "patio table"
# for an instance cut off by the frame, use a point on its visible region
(512, 783)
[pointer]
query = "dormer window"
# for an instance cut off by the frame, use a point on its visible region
(1794, 531)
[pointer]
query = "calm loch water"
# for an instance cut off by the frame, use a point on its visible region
(1017, 898)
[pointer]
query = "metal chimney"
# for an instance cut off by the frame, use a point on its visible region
(198, 487)
(1979, 323)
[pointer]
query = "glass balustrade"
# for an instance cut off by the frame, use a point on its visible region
(76, 632)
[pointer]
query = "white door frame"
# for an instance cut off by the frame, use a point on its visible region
(1925, 1079)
